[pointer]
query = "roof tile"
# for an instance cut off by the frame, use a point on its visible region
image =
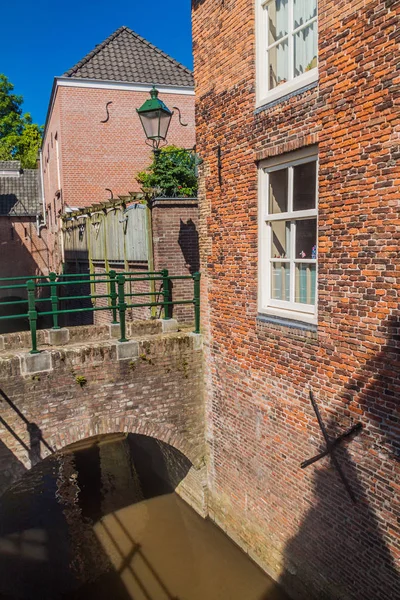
(19, 190)
(127, 57)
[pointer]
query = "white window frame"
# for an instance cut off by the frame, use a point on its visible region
(263, 93)
(266, 304)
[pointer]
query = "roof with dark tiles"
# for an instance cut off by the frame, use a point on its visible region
(19, 190)
(127, 57)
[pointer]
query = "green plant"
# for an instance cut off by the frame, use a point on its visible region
(312, 64)
(145, 358)
(20, 139)
(172, 173)
(81, 380)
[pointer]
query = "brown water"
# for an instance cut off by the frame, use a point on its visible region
(103, 522)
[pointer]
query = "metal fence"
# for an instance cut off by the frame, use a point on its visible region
(53, 288)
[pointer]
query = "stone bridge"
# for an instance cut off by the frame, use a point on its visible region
(76, 389)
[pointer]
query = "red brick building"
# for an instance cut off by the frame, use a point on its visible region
(298, 124)
(23, 247)
(94, 144)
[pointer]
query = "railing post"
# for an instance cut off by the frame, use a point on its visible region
(54, 299)
(122, 306)
(196, 301)
(32, 314)
(165, 291)
(114, 296)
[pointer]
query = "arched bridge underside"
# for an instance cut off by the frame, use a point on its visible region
(151, 385)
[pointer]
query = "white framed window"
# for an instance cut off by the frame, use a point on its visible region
(288, 250)
(287, 46)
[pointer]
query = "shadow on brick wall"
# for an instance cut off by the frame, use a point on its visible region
(16, 260)
(339, 551)
(11, 469)
(189, 244)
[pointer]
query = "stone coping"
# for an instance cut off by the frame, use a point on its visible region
(49, 338)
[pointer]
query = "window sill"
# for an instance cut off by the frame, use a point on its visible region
(273, 326)
(283, 92)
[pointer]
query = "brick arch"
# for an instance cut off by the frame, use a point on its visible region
(109, 424)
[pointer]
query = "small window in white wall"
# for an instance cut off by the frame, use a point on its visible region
(288, 236)
(287, 46)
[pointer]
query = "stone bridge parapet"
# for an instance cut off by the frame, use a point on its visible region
(151, 385)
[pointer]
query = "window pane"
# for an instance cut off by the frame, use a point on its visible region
(304, 186)
(280, 239)
(278, 64)
(278, 192)
(305, 49)
(303, 11)
(277, 20)
(280, 284)
(305, 283)
(306, 238)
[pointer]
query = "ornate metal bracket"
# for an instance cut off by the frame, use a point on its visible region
(331, 444)
(108, 114)
(179, 116)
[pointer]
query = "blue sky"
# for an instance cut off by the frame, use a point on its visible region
(41, 39)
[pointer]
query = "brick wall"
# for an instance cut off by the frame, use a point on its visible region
(176, 248)
(299, 524)
(22, 251)
(53, 180)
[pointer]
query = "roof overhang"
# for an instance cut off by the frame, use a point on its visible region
(122, 85)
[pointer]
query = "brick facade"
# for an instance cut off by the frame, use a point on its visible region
(299, 524)
(22, 250)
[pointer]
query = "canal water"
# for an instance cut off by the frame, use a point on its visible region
(102, 521)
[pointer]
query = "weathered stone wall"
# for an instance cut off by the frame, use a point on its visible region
(299, 524)
(151, 385)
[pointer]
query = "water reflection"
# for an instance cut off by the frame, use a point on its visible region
(102, 521)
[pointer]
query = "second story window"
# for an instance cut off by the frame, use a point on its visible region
(287, 46)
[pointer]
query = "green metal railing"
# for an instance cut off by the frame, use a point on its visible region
(119, 298)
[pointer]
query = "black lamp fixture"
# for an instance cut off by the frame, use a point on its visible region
(155, 117)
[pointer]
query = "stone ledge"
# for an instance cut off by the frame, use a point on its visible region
(169, 325)
(36, 363)
(197, 341)
(127, 350)
(57, 337)
(115, 330)
(2, 346)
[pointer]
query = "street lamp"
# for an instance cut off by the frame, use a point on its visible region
(155, 117)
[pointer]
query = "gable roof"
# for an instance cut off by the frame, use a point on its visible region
(127, 57)
(19, 190)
